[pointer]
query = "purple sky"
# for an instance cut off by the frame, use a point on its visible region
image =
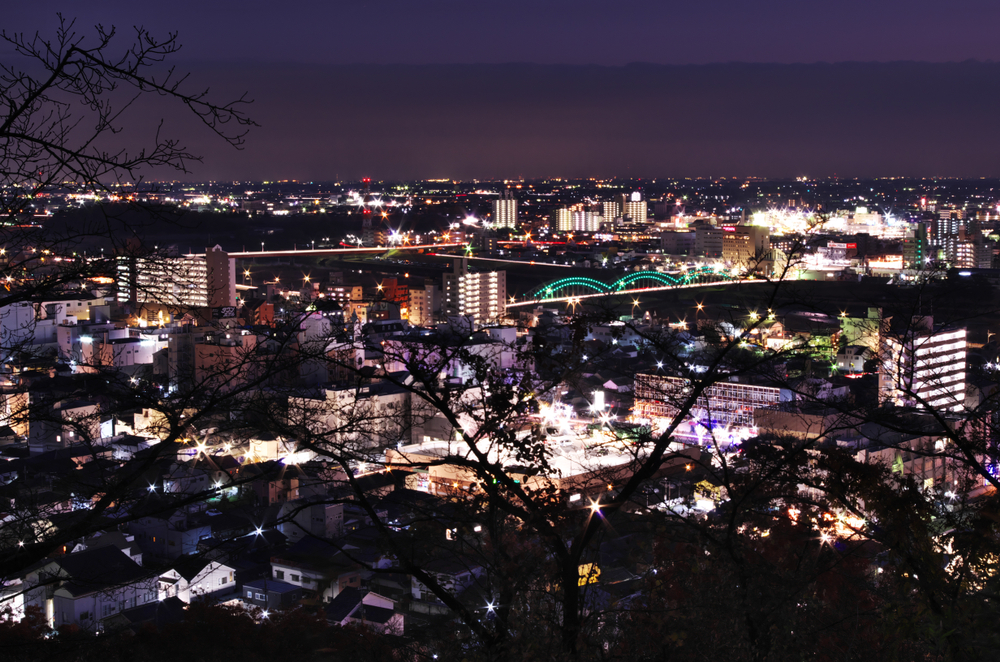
(322, 118)
(609, 32)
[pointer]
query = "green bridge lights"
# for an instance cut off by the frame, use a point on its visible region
(628, 281)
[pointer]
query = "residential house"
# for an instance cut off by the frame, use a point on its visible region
(367, 609)
(453, 572)
(318, 566)
(171, 536)
(197, 577)
(312, 517)
(84, 588)
(271, 594)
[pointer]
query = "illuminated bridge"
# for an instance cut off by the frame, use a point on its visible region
(319, 252)
(564, 287)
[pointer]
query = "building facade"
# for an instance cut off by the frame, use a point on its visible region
(727, 403)
(562, 220)
(745, 245)
(424, 302)
(505, 210)
(183, 282)
(481, 295)
(924, 367)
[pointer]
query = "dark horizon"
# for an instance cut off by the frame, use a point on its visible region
(583, 89)
(496, 121)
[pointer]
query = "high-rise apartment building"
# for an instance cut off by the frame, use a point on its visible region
(483, 296)
(924, 367)
(576, 219)
(480, 295)
(586, 221)
(505, 210)
(562, 220)
(186, 281)
(633, 206)
(611, 210)
(950, 227)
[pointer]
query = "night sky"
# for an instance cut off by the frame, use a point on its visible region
(401, 89)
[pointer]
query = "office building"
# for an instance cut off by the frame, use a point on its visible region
(424, 302)
(708, 240)
(673, 242)
(915, 247)
(745, 245)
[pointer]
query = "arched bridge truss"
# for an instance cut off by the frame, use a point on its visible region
(629, 281)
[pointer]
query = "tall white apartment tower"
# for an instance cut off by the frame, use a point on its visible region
(635, 207)
(610, 210)
(505, 210)
(481, 295)
(924, 367)
(563, 220)
(950, 228)
(186, 281)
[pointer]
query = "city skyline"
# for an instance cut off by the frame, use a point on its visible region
(471, 338)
